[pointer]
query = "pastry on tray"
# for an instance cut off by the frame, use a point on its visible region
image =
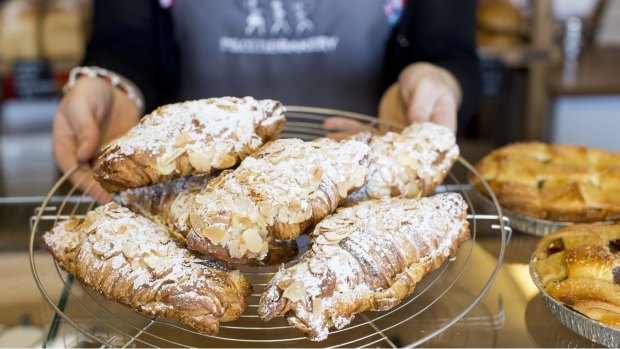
(408, 164)
(277, 193)
(169, 203)
(579, 265)
(365, 257)
(194, 137)
(563, 183)
(132, 260)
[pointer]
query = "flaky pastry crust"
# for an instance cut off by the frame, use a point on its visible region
(365, 257)
(132, 260)
(189, 138)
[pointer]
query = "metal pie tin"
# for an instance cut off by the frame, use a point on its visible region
(574, 320)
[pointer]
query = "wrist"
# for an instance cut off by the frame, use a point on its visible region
(119, 82)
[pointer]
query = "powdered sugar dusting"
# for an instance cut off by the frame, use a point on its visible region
(132, 260)
(411, 163)
(167, 203)
(212, 133)
(365, 249)
(278, 185)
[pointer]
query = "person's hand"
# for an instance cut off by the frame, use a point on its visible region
(90, 114)
(424, 92)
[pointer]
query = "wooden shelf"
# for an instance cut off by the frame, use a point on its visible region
(594, 74)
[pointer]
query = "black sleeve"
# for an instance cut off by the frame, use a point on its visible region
(441, 32)
(135, 39)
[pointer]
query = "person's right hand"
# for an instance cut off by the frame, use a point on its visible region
(90, 114)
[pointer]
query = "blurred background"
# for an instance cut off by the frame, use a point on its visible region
(550, 73)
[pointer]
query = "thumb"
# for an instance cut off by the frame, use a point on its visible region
(86, 128)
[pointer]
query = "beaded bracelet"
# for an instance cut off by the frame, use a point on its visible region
(109, 76)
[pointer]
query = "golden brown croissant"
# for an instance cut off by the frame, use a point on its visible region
(365, 257)
(279, 192)
(408, 164)
(195, 137)
(132, 260)
(169, 203)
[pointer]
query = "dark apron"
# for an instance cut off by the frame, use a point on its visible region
(325, 53)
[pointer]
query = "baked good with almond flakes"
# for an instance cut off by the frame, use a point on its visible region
(132, 260)
(169, 203)
(365, 257)
(189, 138)
(277, 193)
(408, 164)
(579, 265)
(554, 182)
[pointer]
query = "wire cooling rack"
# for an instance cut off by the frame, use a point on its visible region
(441, 299)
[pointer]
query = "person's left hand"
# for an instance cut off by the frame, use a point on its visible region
(424, 92)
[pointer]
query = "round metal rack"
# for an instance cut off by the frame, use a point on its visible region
(440, 300)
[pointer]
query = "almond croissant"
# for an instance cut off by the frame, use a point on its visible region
(408, 164)
(169, 203)
(365, 257)
(131, 260)
(278, 193)
(194, 137)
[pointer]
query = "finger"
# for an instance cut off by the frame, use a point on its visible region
(81, 118)
(422, 102)
(338, 123)
(444, 112)
(391, 106)
(338, 136)
(83, 178)
(64, 144)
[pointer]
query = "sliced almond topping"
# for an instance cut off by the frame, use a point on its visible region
(284, 283)
(242, 221)
(252, 240)
(317, 266)
(294, 291)
(226, 161)
(200, 161)
(343, 189)
(196, 221)
(122, 229)
(317, 308)
(183, 138)
(283, 214)
(317, 177)
(215, 234)
(233, 249)
(167, 169)
(266, 210)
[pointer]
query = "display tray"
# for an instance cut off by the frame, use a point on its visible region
(441, 299)
(574, 320)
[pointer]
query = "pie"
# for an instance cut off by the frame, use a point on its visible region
(579, 265)
(554, 182)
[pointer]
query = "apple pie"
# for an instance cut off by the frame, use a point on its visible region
(194, 137)
(579, 265)
(132, 260)
(554, 182)
(365, 257)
